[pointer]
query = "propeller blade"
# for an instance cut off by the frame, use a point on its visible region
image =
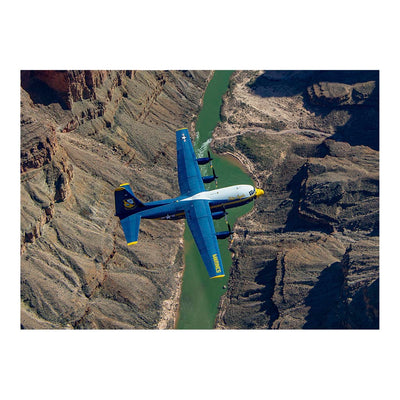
(210, 159)
(215, 176)
(226, 217)
(211, 165)
(230, 232)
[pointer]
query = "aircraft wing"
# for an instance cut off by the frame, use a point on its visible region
(199, 219)
(189, 176)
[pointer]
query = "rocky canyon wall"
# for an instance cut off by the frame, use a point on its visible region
(307, 256)
(83, 133)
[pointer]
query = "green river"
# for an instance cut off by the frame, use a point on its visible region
(200, 295)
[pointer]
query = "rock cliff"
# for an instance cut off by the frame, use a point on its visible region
(307, 254)
(82, 134)
(305, 257)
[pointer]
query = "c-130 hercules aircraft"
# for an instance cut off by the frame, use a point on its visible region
(196, 204)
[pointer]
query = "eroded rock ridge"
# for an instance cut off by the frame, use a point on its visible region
(82, 134)
(307, 256)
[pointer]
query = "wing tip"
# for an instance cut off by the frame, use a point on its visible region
(130, 243)
(217, 276)
(121, 186)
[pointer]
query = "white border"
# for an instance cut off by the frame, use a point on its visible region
(201, 35)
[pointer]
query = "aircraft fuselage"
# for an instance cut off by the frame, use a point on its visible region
(198, 205)
(219, 200)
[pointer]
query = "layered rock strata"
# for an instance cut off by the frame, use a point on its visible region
(307, 256)
(82, 134)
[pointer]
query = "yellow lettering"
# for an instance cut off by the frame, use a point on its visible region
(216, 263)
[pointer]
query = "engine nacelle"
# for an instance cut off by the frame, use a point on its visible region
(208, 179)
(204, 160)
(218, 214)
(223, 235)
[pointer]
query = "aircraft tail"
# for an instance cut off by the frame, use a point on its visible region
(126, 203)
(127, 207)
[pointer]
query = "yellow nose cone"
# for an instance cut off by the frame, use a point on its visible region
(259, 192)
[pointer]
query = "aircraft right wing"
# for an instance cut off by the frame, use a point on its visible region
(199, 219)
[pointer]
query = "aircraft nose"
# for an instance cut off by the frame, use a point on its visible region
(259, 192)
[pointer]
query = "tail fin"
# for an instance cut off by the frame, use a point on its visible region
(126, 203)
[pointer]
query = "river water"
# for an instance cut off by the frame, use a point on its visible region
(200, 295)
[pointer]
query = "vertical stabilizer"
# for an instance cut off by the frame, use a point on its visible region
(126, 203)
(127, 206)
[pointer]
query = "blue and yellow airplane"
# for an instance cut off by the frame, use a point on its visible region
(196, 204)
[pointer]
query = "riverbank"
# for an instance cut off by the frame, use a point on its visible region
(242, 162)
(170, 306)
(200, 296)
(308, 254)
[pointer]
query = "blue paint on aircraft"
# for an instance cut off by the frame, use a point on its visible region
(195, 203)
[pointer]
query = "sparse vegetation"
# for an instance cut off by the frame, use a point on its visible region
(223, 147)
(259, 148)
(270, 123)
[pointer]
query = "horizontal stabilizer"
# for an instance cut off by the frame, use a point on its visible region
(130, 225)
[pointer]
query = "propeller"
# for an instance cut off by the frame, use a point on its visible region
(225, 234)
(229, 228)
(204, 160)
(230, 232)
(215, 176)
(210, 178)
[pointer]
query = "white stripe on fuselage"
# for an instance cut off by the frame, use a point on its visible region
(229, 193)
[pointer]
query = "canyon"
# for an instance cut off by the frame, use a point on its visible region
(307, 256)
(83, 133)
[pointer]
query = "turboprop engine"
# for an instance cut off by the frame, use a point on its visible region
(218, 214)
(210, 178)
(204, 160)
(224, 234)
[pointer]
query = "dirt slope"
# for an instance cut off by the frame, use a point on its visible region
(82, 134)
(308, 254)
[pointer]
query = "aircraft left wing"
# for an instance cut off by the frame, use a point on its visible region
(199, 219)
(189, 176)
